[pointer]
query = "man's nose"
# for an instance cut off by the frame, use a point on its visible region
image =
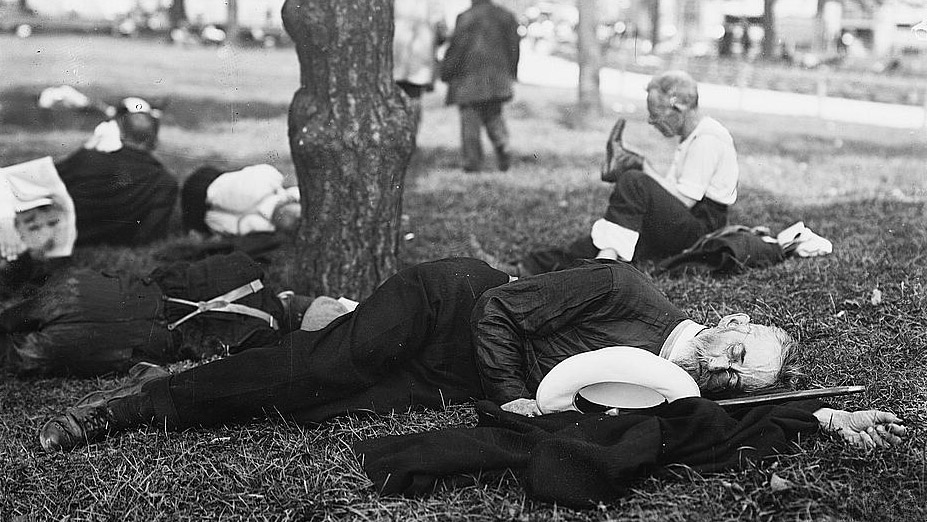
(720, 362)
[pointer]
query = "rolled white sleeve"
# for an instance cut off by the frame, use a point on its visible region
(606, 234)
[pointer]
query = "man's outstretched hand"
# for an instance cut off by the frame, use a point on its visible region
(866, 429)
(526, 407)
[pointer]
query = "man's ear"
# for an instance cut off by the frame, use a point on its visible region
(733, 319)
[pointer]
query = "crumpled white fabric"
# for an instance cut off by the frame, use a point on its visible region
(63, 96)
(106, 137)
(803, 241)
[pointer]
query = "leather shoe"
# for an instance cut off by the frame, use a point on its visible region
(619, 159)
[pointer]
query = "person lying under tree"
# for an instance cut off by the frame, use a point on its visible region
(452, 331)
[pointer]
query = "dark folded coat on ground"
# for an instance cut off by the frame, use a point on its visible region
(578, 459)
(85, 322)
(730, 250)
(121, 198)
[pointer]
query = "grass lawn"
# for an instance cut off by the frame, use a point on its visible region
(864, 188)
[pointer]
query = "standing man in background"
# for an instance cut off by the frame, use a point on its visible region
(420, 30)
(479, 67)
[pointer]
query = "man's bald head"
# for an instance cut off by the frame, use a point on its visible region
(676, 84)
(139, 130)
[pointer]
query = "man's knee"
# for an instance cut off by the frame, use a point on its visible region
(635, 180)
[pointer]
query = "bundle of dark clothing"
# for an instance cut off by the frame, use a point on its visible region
(579, 459)
(726, 251)
(83, 322)
(124, 197)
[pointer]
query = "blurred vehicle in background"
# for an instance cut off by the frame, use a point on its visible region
(258, 21)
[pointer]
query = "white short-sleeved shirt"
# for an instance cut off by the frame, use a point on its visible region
(705, 164)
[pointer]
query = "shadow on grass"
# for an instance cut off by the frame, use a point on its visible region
(18, 108)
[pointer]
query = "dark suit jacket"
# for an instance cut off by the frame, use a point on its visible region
(523, 329)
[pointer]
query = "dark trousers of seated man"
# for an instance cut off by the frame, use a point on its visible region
(639, 203)
(408, 344)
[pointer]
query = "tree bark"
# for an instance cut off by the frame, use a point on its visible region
(590, 60)
(655, 23)
(231, 26)
(818, 43)
(177, 14)
(351, 136)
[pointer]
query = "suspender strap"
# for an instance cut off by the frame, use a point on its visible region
(225, 303)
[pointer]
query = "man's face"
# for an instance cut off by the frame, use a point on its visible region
(743, 357)
(286, 216)
(663, 115)
(37, 228)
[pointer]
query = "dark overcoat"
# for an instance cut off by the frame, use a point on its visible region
(481, 62)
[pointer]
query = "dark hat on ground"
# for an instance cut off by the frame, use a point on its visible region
(619, 377)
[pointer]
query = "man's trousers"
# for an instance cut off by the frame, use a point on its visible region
(639, 203)
(408, 344)
(473, 117)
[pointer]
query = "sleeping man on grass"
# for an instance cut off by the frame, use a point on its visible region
(453, 331)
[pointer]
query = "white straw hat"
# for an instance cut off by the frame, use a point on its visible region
(617, 377)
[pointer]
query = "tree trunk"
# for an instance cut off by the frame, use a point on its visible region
(654, 22)
(351, 136)
(177, 14)
(818, 44)
(590, 60)
(769, 29)
(231, 26)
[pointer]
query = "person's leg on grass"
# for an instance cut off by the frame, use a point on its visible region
(426, 304)
(491, 116)
(644, 220)
(554, 259)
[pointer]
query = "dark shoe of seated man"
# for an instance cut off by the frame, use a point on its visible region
(101, 412)
(619, 159)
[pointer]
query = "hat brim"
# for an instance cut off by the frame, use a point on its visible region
(620, 377)
(23, 206)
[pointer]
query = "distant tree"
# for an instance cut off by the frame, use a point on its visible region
(351, 136)
(231, 26)
(24, 7)
(590, 59)
(769, 29)
(654, 22)
(177, 14)
(819, 44)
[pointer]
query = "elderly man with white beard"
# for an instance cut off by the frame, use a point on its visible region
(453, 331)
